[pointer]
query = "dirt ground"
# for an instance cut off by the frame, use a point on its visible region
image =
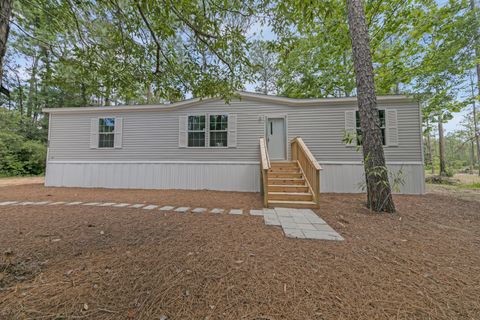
(15, 181)
(105, 263)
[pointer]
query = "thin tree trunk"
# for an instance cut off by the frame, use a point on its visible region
(379, 196)
(477, 68)
(430, 150)
(32, 85)
(5, 13)
(472, 156)
(441, 147)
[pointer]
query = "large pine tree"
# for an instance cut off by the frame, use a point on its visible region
(378, 187)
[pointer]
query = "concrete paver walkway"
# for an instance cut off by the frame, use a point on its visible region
(296, 223)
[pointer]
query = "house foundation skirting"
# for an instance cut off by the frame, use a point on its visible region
(338, 177)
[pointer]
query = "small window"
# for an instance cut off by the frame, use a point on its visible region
(106, 132)
(218, 130)
(381, 115)
(196, 131)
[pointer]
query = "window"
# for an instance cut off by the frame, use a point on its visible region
(106, 132)
(196, 131)
(381, 115)
(218, 130)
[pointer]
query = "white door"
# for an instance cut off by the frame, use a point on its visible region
(276, 138)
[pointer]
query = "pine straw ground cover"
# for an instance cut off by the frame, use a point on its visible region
(105, 263)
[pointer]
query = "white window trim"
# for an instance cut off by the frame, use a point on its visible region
(207, 129)
(100, 133)
(204, 130)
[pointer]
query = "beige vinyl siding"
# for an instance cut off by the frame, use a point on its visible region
(153, 135)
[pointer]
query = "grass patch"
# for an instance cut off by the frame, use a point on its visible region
(475, 185)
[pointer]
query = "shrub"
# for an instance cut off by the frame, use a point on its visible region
(19, 156)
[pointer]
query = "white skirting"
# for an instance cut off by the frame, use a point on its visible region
(350, 177)
(225, 176)
(155, 175)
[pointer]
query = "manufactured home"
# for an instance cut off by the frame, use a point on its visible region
(291, 149)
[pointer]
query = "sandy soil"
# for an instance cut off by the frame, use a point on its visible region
(15, 181)
(105, 263)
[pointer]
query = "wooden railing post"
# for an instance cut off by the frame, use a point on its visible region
(264, 168)
(309, 166)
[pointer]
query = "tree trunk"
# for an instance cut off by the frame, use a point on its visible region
(32, 85)
(441, 147)
(472, 156)
(379, 196)
(5, 13)
(430, 150)
(475, 120)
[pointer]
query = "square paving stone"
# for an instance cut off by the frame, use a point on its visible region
(136, 206)
(268, 211)
(236, 211)
(167, 208)
(294, 233)
(26, 203)
(6, 203)
(74, 203)
(271, 220)
(123, 205)
(256, 212)
(106, 204)
(284, 212)
(323, 227)
(150, 207)
(182, 209)
(300, 219)
(217, 210)
(289, 225)
(57, 203)
(199, 210)
(322, 235)
(306, 226)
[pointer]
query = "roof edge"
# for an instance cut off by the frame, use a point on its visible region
(241, 94)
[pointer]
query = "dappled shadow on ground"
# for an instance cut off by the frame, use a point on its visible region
(116, 263)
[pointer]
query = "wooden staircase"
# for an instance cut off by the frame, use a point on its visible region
(294, 183)
(287, 186)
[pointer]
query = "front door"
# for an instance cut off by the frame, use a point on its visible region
(276, 138)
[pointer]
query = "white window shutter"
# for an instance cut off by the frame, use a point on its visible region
(94, 133)
(232, 131)
(392, 128)
(118, 132)
(182, 131)
(350, 126)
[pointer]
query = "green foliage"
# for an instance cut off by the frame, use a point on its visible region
(22, 145)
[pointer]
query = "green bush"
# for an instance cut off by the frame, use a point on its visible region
(19, 156)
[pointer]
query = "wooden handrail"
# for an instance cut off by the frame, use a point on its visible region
(264, 168)
(308, 164)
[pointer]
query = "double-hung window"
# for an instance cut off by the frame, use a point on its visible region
(106, 132)
(196, 131)
(381, 115)
(218, 130)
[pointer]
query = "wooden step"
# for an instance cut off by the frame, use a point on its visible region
(291, 204)
(285, 169)
(290, 196)
(285, 175)
(284, 164)
(287, 188)
(286, 181)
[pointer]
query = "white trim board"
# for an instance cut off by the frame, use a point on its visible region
(241, 95)
(149, 162)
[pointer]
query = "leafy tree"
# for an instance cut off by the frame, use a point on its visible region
(264, 66)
